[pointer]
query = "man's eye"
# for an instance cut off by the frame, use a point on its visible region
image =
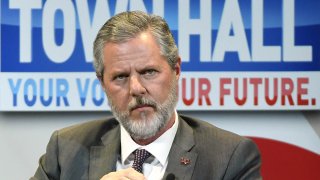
(150, 72)
(120, 77)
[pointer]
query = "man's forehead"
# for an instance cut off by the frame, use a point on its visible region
(146, 35)
(144, 43)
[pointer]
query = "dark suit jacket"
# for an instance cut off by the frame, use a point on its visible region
(90, 150)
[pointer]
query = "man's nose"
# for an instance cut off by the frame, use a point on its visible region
(136, 87)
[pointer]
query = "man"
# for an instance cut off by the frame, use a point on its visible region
(137, 63)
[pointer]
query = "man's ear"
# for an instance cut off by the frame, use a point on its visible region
(177, 67)
(100, 77)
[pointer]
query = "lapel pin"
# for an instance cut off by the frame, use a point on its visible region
(185, 161)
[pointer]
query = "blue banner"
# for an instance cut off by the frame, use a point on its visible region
(217, 35)
(236, 54)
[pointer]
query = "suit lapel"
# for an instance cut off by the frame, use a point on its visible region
(181, 159)
(103, 158)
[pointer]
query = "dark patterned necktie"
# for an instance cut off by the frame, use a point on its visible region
(140, 155)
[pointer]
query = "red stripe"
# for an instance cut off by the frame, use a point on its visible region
(283, 161)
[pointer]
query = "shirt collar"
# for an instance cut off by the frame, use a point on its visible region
(159, 148)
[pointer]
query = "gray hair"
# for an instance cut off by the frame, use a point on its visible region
(128, 25)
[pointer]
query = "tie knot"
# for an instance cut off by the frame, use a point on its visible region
(140, 155)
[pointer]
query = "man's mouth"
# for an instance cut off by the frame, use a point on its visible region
(141, 107)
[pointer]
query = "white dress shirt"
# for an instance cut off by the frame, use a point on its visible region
(154, 167)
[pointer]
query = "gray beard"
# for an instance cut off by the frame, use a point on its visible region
(144, 127)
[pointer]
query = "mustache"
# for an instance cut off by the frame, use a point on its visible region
(141, 101)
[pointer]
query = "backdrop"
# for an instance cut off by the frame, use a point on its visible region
(248, 66)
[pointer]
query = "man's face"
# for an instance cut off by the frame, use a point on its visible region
(140, 85)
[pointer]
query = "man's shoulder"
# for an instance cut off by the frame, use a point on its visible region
(106, 123)
(224, 154)
(88, 131)
(210, 134)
